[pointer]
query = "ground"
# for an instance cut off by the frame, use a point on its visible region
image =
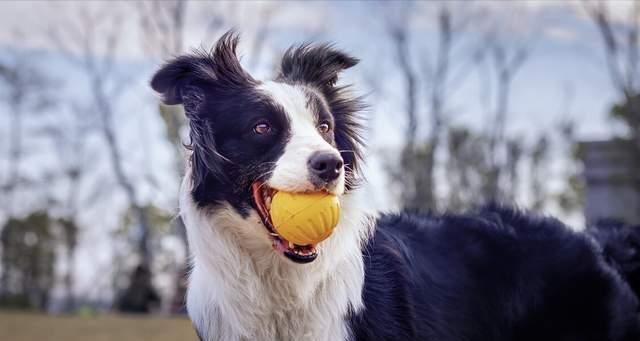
(20, 326)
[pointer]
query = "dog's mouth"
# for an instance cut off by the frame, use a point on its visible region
(262, 195)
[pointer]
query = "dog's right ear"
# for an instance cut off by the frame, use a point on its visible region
(316, 64)
(188, 79)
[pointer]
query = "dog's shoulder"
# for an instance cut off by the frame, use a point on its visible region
(387, 293)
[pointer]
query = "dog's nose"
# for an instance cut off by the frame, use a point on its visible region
(325, 165)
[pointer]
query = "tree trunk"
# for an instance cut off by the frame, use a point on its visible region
(496, 140)
(106, 114)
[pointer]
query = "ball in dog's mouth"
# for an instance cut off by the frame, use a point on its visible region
(262, 195)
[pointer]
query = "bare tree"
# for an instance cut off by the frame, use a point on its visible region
(91, 40)
(69, 134)
(255, 19)
(399, 34)
(505, 59)
(539, 158)
(622, 53)
(441, 76)
(162, 24)
(25, 91)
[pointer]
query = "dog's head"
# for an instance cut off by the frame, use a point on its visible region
(249, 138)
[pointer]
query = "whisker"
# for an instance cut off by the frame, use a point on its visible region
(261, 177)
(265, 174)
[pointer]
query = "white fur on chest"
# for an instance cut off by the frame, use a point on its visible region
(240, 289)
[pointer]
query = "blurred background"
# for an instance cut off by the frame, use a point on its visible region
(535, 103)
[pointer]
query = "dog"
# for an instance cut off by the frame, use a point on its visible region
(494, 274)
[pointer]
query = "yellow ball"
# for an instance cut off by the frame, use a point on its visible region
(305, 218)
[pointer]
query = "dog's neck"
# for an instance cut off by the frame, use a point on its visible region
(240, 288)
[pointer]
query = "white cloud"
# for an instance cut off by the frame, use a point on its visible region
(560, 33)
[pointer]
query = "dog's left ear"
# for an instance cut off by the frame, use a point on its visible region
(318, 65)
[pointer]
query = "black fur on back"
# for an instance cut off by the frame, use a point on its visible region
(621, 248)
(498, 274)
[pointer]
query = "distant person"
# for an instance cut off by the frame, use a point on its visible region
(140, 297)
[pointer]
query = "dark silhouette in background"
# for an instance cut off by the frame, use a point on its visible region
(140, 297)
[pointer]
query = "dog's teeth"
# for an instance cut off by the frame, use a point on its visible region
(291, 246)
(267, 202)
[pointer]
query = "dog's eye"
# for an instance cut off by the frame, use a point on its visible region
(324, 128)
(262, 128)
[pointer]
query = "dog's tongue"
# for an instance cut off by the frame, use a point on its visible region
(282, 245)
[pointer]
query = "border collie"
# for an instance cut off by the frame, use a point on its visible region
(497, 274)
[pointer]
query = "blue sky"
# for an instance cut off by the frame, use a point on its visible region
(566, 50)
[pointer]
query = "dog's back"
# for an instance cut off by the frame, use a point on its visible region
(497, 275)
(620, 245)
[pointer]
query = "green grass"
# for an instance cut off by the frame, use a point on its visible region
(22, 326)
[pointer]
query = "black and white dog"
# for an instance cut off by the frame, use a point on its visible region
(495, 275)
